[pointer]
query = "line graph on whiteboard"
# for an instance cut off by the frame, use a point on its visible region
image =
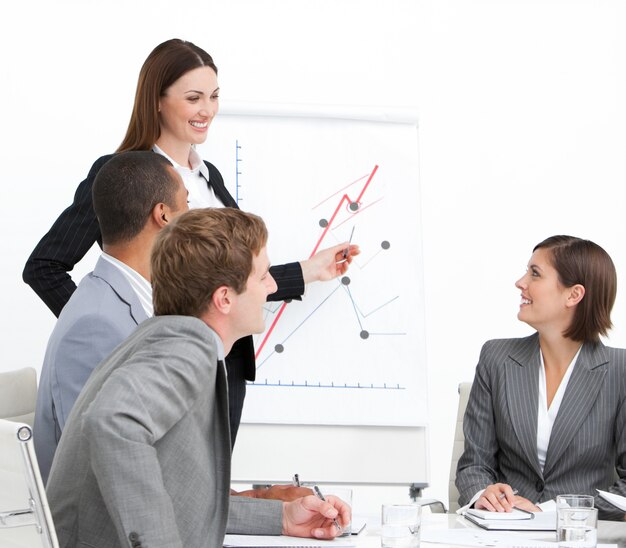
(345, 211)
(351, 350)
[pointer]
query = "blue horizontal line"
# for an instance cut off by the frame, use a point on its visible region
(319, 385)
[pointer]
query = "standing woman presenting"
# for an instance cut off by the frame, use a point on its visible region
(175, 103)
(547, 413)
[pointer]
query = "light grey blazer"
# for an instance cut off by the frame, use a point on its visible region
(144, 459)
(588, 441)
(101, 313)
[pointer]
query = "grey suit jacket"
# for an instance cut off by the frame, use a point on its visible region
(145, 455)
(101, 313)
(588, 441)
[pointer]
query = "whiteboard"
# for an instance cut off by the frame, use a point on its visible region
(351, 455)
(352, 351)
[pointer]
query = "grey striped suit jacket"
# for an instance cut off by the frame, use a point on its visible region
(588, 441)
(144, 459)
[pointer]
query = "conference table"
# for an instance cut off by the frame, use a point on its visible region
(609, 532)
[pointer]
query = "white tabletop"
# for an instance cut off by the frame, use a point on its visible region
(609, 532)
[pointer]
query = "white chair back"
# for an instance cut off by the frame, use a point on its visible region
(459, 445)
(18, 395)
(25, 519)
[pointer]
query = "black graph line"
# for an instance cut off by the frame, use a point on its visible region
(356, 313)
(272, 309)
(363, 315)
(301, 323)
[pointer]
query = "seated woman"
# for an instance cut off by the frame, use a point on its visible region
(547, 413)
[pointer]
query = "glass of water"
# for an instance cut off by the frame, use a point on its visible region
(577, 527)
(401, 525)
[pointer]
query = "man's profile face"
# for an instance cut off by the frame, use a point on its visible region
(248, 309)
(181, 198)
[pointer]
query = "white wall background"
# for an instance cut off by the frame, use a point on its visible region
(522, 114)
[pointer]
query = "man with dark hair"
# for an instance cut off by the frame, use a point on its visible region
(134, 196)
(145, 456)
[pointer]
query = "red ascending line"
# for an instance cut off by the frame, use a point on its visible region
(344, 198)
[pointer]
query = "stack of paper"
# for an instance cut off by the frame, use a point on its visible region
(285, 541)
(486, 514)
(512, 521)
(615, 500)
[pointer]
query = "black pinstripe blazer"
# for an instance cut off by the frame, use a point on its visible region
(75, 232)
(588, 441)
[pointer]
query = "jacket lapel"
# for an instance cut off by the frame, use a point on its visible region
(112, 276)
(522, 392)
(217, 184)
(580, 395)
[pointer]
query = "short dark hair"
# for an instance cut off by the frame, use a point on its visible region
(127, 188)
(199, 251)
(583, 262)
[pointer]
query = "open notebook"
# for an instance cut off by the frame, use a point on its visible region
(543, 521)
(269, 541)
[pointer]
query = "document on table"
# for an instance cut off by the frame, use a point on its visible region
(477, 538)
(486, 514)
(543, 521)
(615, 500)
(482, 539)
(269, 541)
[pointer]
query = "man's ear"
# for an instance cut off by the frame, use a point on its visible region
(161, 214)
(576, 294)
(222, 299)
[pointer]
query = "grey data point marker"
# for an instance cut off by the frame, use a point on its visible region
(385, 244)
(364, 334)
(279, 348)
(323, 223)
(345, 280)
(354, 206)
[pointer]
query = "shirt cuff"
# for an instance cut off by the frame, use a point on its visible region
(465, 508)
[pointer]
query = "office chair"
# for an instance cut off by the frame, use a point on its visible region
(459, 445)
(18, 394)
(25, 519)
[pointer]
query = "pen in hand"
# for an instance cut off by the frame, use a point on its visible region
(296, 480)
(513, 507)
(346, 251)
(319, 495)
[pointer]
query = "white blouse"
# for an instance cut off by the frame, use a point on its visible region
(196, 179)
(545, 416)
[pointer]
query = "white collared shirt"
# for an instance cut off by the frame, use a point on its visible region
(545, 416)
(141, 286)
(196, 179)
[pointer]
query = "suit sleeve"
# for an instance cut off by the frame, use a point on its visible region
(288, 277)
(289, 280)
(249, 516)
(66, 243)
(606, 509)
(130, 414)
(478, 465)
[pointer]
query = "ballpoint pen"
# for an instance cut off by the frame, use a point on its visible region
(346, 252)
(296, 480)
(502, 495)
(317, 491)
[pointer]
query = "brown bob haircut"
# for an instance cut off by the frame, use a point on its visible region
(583, 262)
(200, 251)
(165, 64)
